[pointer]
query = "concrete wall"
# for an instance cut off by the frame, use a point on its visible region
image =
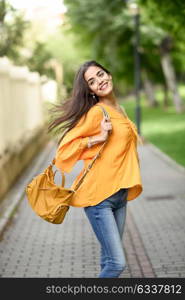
(22, 122)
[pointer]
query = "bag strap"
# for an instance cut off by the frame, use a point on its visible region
(106, 115)
(96, 156)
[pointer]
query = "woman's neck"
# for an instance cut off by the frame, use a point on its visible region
(109, 100)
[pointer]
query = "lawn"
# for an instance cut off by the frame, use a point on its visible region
(165, 129)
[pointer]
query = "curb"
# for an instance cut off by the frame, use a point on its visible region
(15, 195)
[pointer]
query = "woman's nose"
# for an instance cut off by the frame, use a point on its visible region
(100, 81)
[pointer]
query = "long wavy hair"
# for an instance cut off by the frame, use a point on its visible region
(72, 109)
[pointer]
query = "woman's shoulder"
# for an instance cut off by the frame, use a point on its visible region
(93, 113)
(95, 108)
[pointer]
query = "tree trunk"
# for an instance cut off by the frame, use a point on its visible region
(149, 89)
(165, 99)
(169, 73)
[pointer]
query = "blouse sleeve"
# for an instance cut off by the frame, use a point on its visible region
(74, 143)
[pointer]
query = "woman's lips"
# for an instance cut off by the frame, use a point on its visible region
(104, 86)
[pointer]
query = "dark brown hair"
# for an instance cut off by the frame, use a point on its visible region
(78, 104)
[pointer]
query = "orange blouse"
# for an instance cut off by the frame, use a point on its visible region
(118, 165)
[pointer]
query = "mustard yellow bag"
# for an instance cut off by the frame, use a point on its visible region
(50, 201)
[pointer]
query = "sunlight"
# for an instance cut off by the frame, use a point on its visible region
(55, 7)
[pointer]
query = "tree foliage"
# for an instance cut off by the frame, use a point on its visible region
(108, 29)
(39, 59)
(65, 47)
(12, 28)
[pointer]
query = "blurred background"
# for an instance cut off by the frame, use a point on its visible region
(43, 43)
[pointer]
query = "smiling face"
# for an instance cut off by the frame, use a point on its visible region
(99, 82)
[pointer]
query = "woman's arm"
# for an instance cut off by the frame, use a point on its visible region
(75, 142)
(96, 139)
(105, 127)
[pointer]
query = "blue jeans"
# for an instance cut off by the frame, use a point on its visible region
(107, 220)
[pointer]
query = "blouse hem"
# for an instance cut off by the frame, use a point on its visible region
(122, 187)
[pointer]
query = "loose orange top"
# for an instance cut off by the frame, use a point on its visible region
(118, 165)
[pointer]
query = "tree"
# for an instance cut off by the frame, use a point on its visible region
(68, 52)
(12, 28)
(107, 28)
(171, 21)
(38, 60)
(169, 72)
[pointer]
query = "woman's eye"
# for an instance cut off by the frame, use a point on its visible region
(102, 73)
(91, 82)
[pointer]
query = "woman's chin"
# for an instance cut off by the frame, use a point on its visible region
(105, 93)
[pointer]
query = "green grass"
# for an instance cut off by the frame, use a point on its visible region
(165, 129)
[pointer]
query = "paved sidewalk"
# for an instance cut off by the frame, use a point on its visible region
(154, 239)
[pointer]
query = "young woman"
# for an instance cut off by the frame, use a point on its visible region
(115, 176)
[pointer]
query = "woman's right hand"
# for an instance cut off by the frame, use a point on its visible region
(105, 127)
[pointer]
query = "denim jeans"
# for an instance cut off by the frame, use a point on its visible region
(107, 220)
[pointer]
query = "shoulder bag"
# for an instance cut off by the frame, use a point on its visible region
(50, 201)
